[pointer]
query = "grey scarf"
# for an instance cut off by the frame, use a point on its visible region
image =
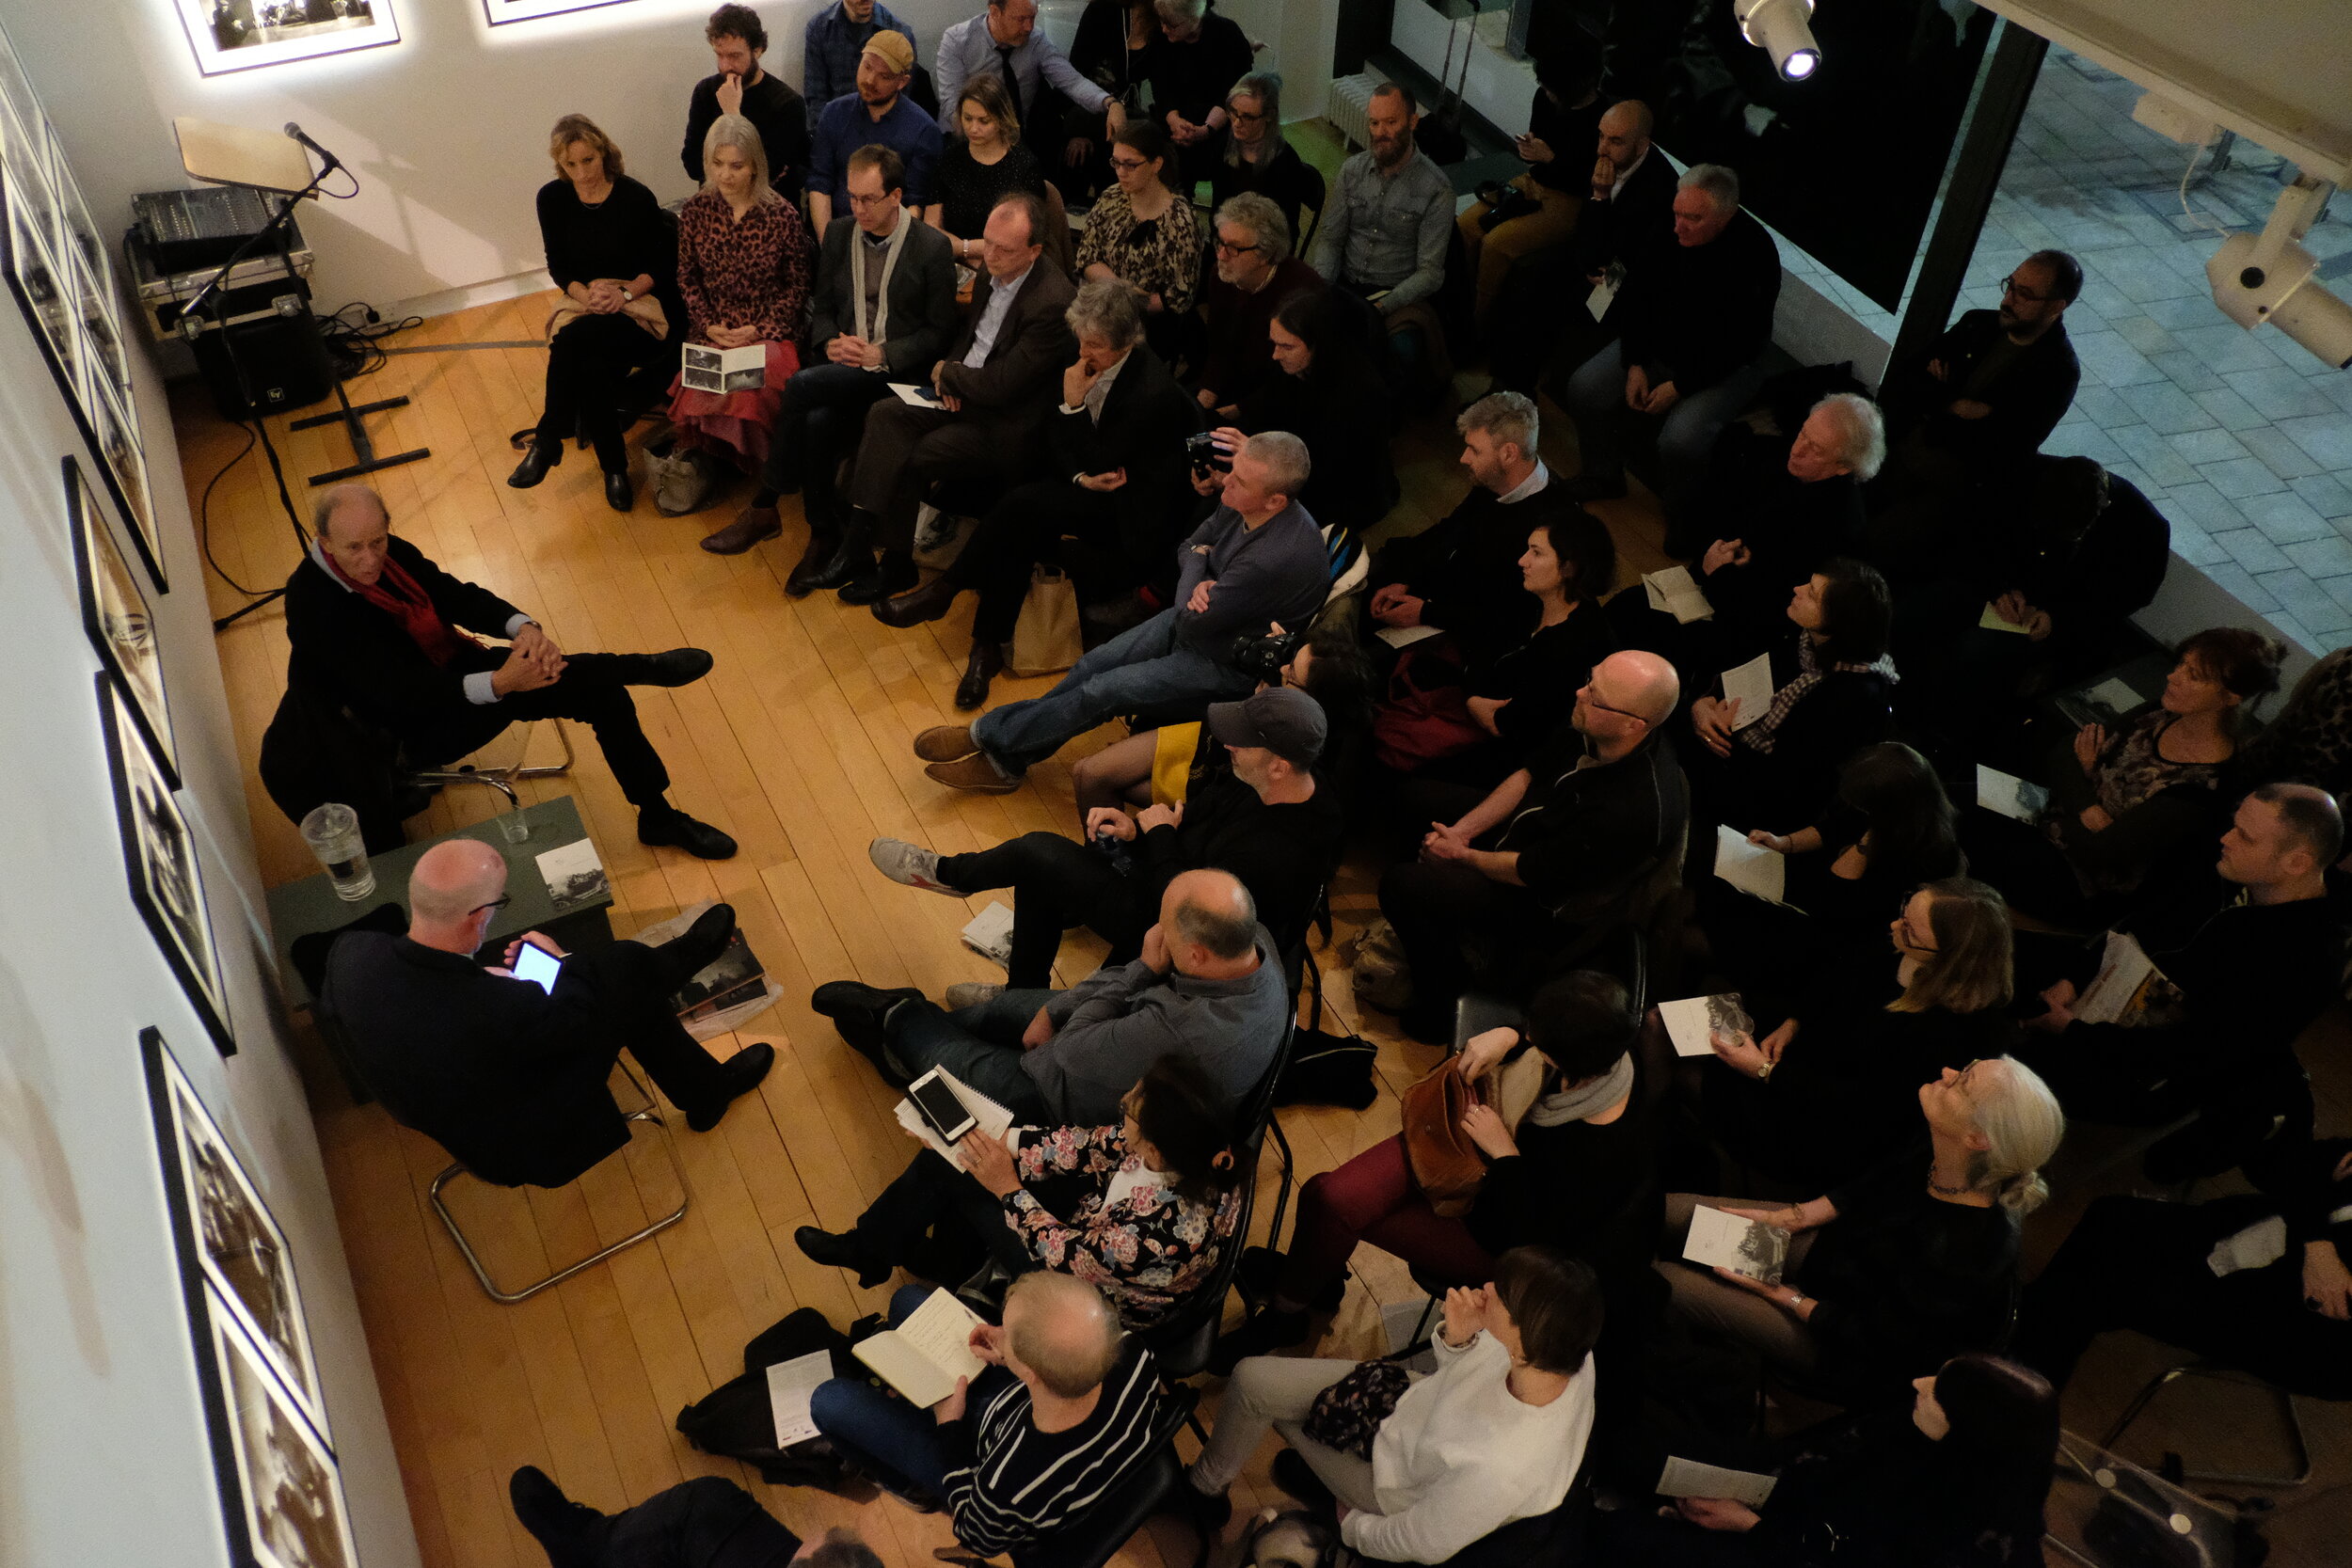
(1581, 1101)
(879, 331)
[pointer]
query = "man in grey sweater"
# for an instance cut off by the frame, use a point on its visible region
(1209, 986)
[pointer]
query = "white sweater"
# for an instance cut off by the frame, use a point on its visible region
(1459, 1457)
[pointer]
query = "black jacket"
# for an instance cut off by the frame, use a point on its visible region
(2090, 585)
(1022, 381)
(1639, 221)
(1282, 853)
(1587, 837)
(1190, 79)
(1692, 314)
(775, 110)
(1282, 178)
(1146, 417)
(1464, 567)
(923, 311)
(2028, 394)
(1788, 525)
(1344, 418)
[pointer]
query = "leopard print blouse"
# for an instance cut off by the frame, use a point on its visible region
(1160, 256)
(748, 272)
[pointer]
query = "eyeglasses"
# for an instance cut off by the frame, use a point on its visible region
(1253, 116)
(864, 202)
(1226, 247)
(1587, 695)
(1128, 165)
(2009, 286)
(493, 904)
(1911, 939)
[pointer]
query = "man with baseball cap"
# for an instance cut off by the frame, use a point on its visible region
(878, 113)
(1268, 819)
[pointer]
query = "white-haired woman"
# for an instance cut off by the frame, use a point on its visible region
(1896, 1271)
(742, 267)
(1258, 157)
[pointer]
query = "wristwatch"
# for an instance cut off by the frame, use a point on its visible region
(1763, 1072)
(626, 296)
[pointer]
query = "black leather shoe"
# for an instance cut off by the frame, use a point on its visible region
(815, 557)
(561, 1525)
(840, 1252)
(971, 692)
(537, 460)
(675, 829)
(744, 1071)
(699, 945)
(1261, 1268)
(850, 560)
(677, 667)
(895, 574)
(927, 602)
(618, 493)
(856, 1011)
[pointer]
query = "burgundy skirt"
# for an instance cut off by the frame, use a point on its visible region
(736, 423)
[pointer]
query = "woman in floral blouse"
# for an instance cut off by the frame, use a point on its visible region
(1143, 1209)
(743, 269)
(1145, 234)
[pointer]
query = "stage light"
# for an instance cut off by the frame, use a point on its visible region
(2269, 277)
(1782, 28)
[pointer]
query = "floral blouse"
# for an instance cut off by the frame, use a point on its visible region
(748, 272)
(1160, 256)
(2133, 770)
(1147, 1250)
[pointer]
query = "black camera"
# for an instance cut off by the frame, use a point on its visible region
(1261, 657)
(1208, 453)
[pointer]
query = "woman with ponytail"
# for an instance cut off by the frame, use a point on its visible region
(1899, 1268)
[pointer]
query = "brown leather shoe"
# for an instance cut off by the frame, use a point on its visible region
(971, 692)
(975, 775)
(927, 602)
(751, 525)
(946, 743)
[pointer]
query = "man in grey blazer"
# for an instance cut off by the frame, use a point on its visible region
(1001, 376)
(883, 309)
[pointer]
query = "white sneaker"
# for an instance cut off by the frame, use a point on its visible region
(970, 993)
(909, 864)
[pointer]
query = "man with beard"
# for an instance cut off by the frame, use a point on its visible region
(1385, 227)
(1255, 273)
(878, 113)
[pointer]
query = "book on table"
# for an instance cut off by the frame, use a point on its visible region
(573, 874)
(923, 1356)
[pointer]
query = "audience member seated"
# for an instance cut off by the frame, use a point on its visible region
(1562, 121)
(985, 159)
(2120, 805)
(879, 114)
(1256, 273)
(1629, 210)
(1258, 559)
(1259, 160)
(1112, 49)
(1694, 320)
(1889, 1274)
(832, 45)
(1577, 838)
(1142, 234)
(1113, 513)
(1824, 1095)
(742, 267)
(1209, 987)
(1496, 1434)
(1567, 1156)
(1384, 230)
(1328, 394)
(2256, 1282)
(383, 629)
(993, 388)
(1200, 54)
(1957, 1479)
(508, 1077)
(1041, 81)
(1987, 396)
(2311, 740)
(781, 118)
(883, 308)
(1155, 1203)
(708, 1522)
(2245, 967)
(1066, 1406)
(1270, 821)
(1832, 687)
(613, 344)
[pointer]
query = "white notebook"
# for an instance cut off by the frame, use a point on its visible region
(1750, 867)
(1674, 591)
(1751, 686)
(923, 1356)
(988, 1118)
(1688, 1477)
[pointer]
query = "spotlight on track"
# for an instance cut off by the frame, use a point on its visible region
(1782, 28)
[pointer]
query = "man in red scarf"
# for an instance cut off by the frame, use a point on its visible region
(381, 627)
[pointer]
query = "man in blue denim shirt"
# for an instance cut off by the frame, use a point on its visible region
(830, 49)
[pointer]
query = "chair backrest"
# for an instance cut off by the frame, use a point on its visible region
(1058, 243)
(1182, 1340)
(1095, 1536)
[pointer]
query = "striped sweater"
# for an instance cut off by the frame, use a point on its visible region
(1010, 1485)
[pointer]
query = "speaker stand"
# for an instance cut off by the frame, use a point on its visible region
(350, 416)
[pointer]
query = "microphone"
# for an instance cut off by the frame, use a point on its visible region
(326, 158)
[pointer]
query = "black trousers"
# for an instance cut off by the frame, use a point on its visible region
(906, 449)
(1057, 883)
(593, 691)
(821, 420)
(2138, 1264)
(708, 1522)
(938, 1223)
(1435, 906)
(634, 983)
(1049, 520)
(596, 366)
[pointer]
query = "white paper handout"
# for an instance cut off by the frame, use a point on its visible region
(2116, 695)
(1603, 295)
(1750, 867)
(1992, 619)
(987, 1117)
(1675, 592)
(923, 1356)
(1748, 1247)
(2009, 795)
(1688, 1477)
(988, 933)
(1694, 1022)
(789, 1385)
(573, 874)
(1751, 685)
(725, 369)
(914, 396)
(2257, 1246)
(2120, 990)
(1405, 637)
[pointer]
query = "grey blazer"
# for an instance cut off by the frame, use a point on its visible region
(923, 311)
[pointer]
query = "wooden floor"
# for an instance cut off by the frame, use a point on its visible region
(798, 744)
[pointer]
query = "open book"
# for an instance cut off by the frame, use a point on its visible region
(988, 1118)
(1688, 1477)
(1751, 686)
(1675, 592)
(2127, 986)
(1692, 1022)
(1748, 1247)
(1750, 867)
(923, 1356)
(725, 369)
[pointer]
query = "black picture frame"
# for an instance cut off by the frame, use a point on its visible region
(281, 1488)
(159, 860)
(116, 617)
(501, 13)
(244, 35)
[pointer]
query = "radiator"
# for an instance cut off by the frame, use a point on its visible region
(1348, 107)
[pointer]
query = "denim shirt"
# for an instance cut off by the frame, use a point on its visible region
(1386, 232)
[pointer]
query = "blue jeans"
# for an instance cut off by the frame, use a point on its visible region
(980, 1045)
(896, 1443)
(1141, 668)
(1685, 436)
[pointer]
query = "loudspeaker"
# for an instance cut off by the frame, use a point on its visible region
(282, 358)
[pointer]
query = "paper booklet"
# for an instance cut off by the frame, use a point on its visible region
(1694, 1022)
(1748, 1247)
(725, 369)
(2128, 984)
(923, 1356)
(1677, 593)
(1992, 620)
(1751, 867)
(988, 933)
(573, 874)
(1688, 1477)
(1405, 637)
(1752, 685)
(789, 1385)
(2009, 795)
(914, 396)
(987, 1116)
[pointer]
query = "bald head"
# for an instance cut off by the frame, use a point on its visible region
(354, 505)
(1210, 910)
(1624, 133)
(1061, 1332)
(452, 880)
(354, 530)
(1629, 695)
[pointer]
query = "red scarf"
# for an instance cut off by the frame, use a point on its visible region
(404, 598)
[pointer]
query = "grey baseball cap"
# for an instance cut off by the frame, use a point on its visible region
(1281, 719)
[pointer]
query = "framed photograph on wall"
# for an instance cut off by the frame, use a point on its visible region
(502, 11)
(227, 1239)
(279, 1486)
(35, 276)
(239, 35)
(159, 851)
(116, 616)
(94, 301)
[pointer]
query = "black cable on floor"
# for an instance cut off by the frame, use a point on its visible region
(204, 514)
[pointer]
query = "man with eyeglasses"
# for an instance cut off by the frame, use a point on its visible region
(1577, 839)
(1255, 273)
(509, 1077)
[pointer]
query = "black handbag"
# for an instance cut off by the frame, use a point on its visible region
(1348, 1414)
(735, 1419)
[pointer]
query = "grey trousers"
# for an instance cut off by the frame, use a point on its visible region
(1273, 1393)
(1717, 1305)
